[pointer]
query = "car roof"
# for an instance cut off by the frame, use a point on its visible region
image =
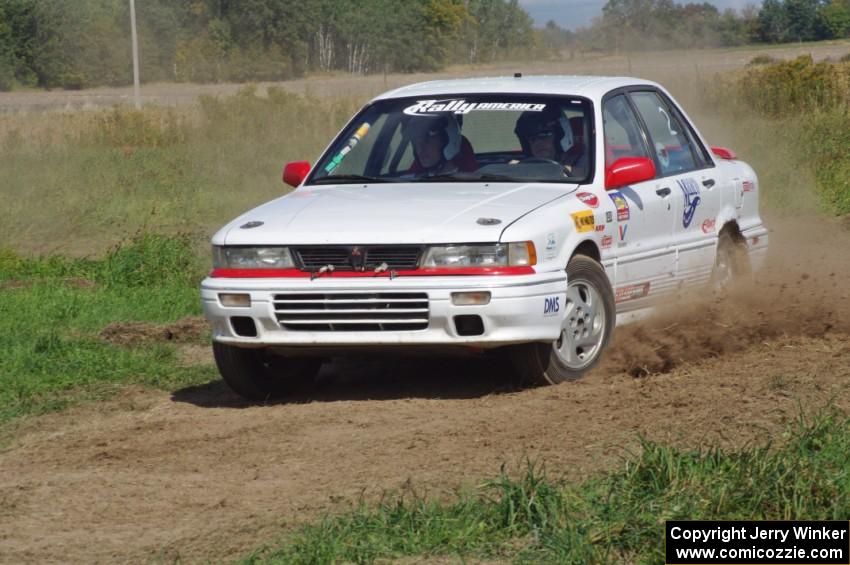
(593, 87)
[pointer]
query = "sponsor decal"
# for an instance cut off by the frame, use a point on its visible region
(584, 221)
(551, 305)
(631, 292)
(607, 241)
(755, 240)
(622, 228)
(350, 144)
(588, 198)
(690, 191)
(621, 204)
(460, 106)
(609, 217)
(551, 245)
(708, 225)
(600, 227)
(749, 186)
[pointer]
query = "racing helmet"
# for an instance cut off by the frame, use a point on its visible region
(445, 125)
(550, 119)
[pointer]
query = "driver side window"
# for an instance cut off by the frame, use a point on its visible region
(623, 137)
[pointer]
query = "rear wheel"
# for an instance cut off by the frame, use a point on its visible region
(589, 319)
(256, 374)
(731, 263)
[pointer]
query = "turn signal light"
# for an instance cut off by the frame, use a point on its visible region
(235, 300)
(471, 298)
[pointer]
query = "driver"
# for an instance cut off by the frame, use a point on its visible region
(437, 145)
(548, 135)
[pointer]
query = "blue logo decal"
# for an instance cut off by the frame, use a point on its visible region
(551, 306)
(690, 190)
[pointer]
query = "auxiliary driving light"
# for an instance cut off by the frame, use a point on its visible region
(235, 300)
(470, 298)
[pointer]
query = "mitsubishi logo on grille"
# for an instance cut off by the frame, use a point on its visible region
(357, 259)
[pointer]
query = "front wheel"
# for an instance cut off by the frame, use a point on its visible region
(586, 328)
(256, 374)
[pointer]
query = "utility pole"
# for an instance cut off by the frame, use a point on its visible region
(137, 95)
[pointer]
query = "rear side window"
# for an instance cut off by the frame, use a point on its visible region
(623, 137)
(668, 138)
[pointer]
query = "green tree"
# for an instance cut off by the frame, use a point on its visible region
(834, 20)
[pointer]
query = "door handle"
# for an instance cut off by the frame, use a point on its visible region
(708, 183)
(663, 192)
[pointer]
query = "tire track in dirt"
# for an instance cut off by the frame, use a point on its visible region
(198, 474)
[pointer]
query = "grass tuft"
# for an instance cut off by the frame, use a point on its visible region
(615, 517)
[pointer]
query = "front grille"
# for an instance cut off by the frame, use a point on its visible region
(352, 311)
(396, 257)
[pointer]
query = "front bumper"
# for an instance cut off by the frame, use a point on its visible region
(522, 308)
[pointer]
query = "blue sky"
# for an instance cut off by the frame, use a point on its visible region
(571, 14)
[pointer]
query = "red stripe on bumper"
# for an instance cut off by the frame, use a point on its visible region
(295, 273)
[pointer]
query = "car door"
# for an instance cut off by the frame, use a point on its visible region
(695, 192)
(643, 213)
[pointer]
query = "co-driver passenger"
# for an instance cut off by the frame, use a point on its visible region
(548, 135)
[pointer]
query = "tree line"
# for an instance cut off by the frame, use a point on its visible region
(59, 43)
(651, 24)
(81, 43)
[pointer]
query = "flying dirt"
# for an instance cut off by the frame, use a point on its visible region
(199, 474)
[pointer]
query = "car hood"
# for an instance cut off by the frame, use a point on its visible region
(390, 213)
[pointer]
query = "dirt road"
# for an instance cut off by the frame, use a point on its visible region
(198, 474)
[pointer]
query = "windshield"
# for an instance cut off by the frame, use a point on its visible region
(509, 138)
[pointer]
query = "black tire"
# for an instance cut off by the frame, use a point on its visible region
(539, 363)
(256, 374)
(732, 263)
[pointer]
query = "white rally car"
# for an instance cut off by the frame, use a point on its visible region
(533, 213)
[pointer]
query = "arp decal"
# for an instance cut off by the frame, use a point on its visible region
(708, 225)
(551, 246)
(748, 186)
(607, 241)
(584, 221)
(463, 107)
(588, 198)
(631, 292)
(621, 204)
(690, 191)
(551, 305)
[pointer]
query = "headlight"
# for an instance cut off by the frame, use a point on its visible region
(252, 258)
(480, 255)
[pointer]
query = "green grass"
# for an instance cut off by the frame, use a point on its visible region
(77, 183)
(803, 108)
(618, 517)
(52, 310)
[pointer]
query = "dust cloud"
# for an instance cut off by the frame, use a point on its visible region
(801, 292)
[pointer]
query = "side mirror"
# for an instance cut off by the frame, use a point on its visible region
(724, 153)
(629, 170)
(295, 173)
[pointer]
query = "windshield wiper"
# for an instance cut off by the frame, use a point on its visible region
(343, 178)
(448, 177)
